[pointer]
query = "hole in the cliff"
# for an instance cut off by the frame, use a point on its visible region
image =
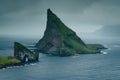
(26, 59)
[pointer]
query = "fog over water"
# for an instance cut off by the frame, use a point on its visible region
(28, 17)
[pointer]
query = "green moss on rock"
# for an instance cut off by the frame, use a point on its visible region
(24, 54)
(60, 40)
(22, 47)
(95, 46)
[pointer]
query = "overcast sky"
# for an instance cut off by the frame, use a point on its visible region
(28, 17)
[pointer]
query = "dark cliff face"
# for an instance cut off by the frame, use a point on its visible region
(24, 54)
(60, 40)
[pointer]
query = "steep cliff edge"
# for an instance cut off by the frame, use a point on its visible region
(24, 54)
(21, 56)
(60, 40)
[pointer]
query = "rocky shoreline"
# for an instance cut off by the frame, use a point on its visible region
(10, 65)
(22, 56)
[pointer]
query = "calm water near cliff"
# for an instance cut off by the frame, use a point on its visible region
(104, 66)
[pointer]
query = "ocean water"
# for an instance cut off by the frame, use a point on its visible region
(105, 66)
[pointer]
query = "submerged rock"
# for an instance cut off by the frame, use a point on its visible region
(60, 40)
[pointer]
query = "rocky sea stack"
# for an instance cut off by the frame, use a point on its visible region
(60, 40)
(23, 54)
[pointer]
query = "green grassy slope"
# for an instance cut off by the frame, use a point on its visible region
(70, 43)
(5, 60)
(69, 37)
(23, 47)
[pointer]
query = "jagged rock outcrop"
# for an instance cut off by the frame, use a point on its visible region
(24, 54)
(21, 56)
(60, 40)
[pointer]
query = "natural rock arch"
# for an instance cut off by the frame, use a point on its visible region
(24, 54)
(26, 58)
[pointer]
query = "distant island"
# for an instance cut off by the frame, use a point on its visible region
(59, 40)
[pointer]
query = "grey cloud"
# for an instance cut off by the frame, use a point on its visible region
(8, 6)
(77, 14)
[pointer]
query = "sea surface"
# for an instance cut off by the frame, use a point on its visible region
(104, 66)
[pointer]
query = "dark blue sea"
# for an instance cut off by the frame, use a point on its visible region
(105, 66)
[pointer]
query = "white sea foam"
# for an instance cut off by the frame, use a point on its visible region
(104, 52)
(33, 64)
(18, 66)
(3, 68)
(75, 56)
